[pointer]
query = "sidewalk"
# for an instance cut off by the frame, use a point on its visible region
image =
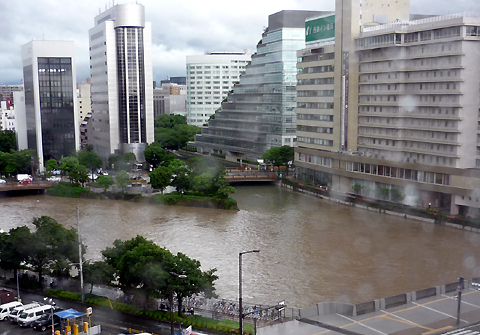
(433, 315)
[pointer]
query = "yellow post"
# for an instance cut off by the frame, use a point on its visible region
(85, 327)
(75, 329)
(57, 332)
(68, 330)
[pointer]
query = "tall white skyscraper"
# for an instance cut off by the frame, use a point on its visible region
(122, 81)
(50, 112)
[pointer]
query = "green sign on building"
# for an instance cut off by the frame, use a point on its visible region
(320, 28)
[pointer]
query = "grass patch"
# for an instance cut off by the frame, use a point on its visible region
(71, 190)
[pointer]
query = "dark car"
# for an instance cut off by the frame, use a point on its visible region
(46, 322)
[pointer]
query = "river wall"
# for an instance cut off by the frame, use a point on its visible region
(382, 211)
(325, 308)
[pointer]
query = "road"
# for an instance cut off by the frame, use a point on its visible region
(112, 322)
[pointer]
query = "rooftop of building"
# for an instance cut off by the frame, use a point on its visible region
(428, 22)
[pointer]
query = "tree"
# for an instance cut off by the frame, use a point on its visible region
(356, 188)
(8, 140)
(52, 247)
(78, 173)
(117, 162)
(172, 131)
(105, 182)
(122, 179)
(130, 158)
(279, 156)
(196, 282)
(160, 178)
(51, 165)
(16, 161)
(139, 264)
(67, 164)
(155, 154)
(14, 248)
(90, 159)
(98, 273)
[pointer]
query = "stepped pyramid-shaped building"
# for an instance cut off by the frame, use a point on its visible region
(260, 112)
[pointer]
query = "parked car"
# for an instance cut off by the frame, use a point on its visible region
(13, 316)
(92, 177)
(28, 317)
(5, 309)
(54, 179)
(46, 322)
(3, 181)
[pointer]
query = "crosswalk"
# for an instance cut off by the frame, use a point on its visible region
(462, 332)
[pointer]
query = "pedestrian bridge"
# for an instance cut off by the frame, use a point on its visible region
(34, 187)
(251, 176)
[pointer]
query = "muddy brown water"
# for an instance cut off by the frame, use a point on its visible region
(311, 250)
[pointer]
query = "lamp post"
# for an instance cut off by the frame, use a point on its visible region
(172, 331)
(240, 306)
(52, 303)
(80, 260)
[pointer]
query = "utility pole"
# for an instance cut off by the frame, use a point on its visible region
(459, 289)
(80, 259)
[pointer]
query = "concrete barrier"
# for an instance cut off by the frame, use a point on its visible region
(367, 307)
(307, 312)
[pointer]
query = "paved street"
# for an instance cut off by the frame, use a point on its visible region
(434, 315)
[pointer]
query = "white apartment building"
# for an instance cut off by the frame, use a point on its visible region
(209, 79)
(394, 106)
(122, 81)
(7, 119)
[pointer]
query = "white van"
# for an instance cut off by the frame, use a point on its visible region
(15, 313)
(5, 309)
(29, 316)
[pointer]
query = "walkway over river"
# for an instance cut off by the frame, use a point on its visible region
(311, 250)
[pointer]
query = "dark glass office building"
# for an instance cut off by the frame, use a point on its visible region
(49, 72)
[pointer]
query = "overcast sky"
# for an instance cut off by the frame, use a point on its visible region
(179, 28)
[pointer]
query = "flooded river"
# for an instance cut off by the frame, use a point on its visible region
(311, 250)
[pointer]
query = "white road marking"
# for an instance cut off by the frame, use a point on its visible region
(357, 322)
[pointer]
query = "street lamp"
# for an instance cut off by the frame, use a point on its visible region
(172, 332)
(240, 307)
(52, 303)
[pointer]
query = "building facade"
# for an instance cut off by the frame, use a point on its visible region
(122, 81)
(170, 99)
(51, 114)
(401, 119)
(260, 112)
(209, 79)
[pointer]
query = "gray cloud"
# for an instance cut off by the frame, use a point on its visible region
(179, 28)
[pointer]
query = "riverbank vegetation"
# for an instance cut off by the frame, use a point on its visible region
(139, 267)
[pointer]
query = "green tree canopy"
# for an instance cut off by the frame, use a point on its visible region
(122, 178)
(52, 247)
(141, 264)
(14, 247)
(160, 178)
(172, 131)
(130, 157)
(8, 140)
(155, 154)
(51, 165)
(117, 162)
(79, 173)
(67, 164)
(90, 159)
(279, 155)
(105, 182)
(98, 273)
(16, 161)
